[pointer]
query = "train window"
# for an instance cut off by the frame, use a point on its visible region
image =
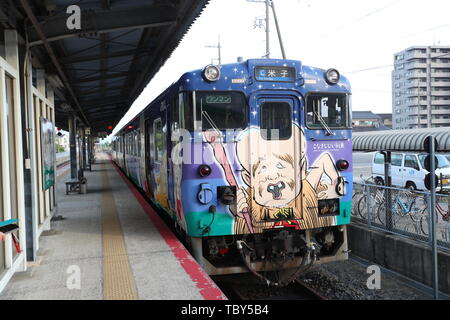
(327, 109)
(221, 110)
(138, 137)
(186, 115)
(159, 140)
(130, 143)
(127, 144)
(276, 116)
(136, 143)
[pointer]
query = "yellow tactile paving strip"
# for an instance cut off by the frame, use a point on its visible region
(118, 279)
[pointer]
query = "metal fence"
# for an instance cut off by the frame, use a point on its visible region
(403, 212)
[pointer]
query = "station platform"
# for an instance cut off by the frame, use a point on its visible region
(109, 244)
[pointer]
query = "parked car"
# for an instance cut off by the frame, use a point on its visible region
(407, 170)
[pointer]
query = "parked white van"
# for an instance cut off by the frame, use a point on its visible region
(407, 170)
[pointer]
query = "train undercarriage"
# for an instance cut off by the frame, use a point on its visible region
(276, 256)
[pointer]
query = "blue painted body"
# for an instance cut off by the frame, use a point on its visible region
(198, 194)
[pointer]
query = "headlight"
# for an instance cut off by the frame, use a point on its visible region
(332, 76)
(211, 73)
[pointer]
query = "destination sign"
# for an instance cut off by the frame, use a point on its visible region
(279, 74)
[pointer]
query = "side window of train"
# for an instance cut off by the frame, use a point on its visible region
(130, 144)
(159, 140)
(185, 112)
(276, 121)
(135, 143)
(130, 139)
(138, 137)
(175, 114)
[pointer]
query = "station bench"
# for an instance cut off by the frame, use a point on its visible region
(73, 185)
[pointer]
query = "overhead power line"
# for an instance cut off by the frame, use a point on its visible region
(357, 20)
(388, 66)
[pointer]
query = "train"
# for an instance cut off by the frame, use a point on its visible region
(252, 161)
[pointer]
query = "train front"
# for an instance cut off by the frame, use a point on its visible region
(267, 184)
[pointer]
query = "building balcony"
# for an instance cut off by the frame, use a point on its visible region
(440, 121)
(439, 54)
(415, 75)
(440, 64)
(441, 112)
(440, 83)
(440, 102)
(415, 84)
(444, 93)
(416, 65)
(416, 55)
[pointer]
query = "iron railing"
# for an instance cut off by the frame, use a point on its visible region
(404, 212)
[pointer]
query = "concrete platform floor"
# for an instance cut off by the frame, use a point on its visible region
(106, 247)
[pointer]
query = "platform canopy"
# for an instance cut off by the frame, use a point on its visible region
(400, 140)
(104, 66)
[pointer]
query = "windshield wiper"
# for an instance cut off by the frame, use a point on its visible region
(322, 121)
(211, 123)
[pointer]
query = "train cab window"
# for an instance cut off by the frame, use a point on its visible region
(327, 110)
(276, 121)
(221, 110)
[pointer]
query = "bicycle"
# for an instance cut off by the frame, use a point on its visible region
(441, 210)
(402, 206)
(361, 207)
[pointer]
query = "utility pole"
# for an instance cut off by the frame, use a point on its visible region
(269, 4)
(267, 30)
(218, 47)
(278, 30)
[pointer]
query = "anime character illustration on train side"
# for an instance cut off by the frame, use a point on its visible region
(280, 188)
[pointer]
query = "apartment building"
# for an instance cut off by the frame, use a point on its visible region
(421, 88)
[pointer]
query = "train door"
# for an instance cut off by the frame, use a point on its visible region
(159, 138)
(149, 179)
(124, 149)
(276, 155)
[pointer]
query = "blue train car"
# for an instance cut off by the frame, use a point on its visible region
(253, 160)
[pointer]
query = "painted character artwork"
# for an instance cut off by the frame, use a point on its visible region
(279, 188)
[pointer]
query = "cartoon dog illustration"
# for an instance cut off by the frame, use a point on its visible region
(280, 190)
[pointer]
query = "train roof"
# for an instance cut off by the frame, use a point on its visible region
(235, 75)
(241, 75)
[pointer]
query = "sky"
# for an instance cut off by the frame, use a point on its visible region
(349, 35)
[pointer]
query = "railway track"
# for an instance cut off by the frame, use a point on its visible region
(244, 287)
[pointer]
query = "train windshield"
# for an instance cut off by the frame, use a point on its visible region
(221, 110)
(327, 110)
